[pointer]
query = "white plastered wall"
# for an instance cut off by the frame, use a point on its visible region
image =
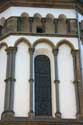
(17, 11)
(66, 85)
(22, 85)
(21, 104)
(3, 62)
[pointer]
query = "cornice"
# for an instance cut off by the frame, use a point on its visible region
(72, 4)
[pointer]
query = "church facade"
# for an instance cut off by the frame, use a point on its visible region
(41, 66)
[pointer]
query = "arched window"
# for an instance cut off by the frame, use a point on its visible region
(37, 25)
(43, 106)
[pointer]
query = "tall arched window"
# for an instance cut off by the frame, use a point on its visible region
(43, 106)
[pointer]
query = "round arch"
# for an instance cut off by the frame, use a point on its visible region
(49, 17)
(37, 16)
(3, 44)
(24, 14)
(65, 42)
(22, 40)
(43, 41)
(62, 17)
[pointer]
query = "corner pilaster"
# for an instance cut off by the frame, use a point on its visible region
(10, 80)
(78, 84)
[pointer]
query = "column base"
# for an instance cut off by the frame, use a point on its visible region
(79, 116)
(7, 115)
(58, 115)
(31, 114)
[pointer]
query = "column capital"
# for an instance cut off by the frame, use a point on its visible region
(31, 19)
(31, 50)
(74, 52)
(55, 51)
(11, 49)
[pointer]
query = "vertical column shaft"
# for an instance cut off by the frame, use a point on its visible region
(31, 113)
(1, 30)
(55, 22)
(57, 114)
(74, 53)
(10, 80)
(30, 22)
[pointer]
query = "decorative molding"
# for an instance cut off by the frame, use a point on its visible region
(66, 42)
(39, 34)
(22, 39)
(41, 121)
(66, 4)
(29, 26)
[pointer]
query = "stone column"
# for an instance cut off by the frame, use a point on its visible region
(10, 80)
(43, 22)
(31, 113)
(30, 26)
(57, 114)
(2, 22)
(76, 82)
(55, 23)
(1, 30)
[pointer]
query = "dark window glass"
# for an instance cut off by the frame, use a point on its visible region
(20, 24)
(81, 1)
(43, 105)
(0, 30)
(39, 30)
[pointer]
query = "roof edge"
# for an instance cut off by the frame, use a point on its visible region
(52, 4)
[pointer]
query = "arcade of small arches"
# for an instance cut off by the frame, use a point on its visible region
(40, 74)
(38, 24)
